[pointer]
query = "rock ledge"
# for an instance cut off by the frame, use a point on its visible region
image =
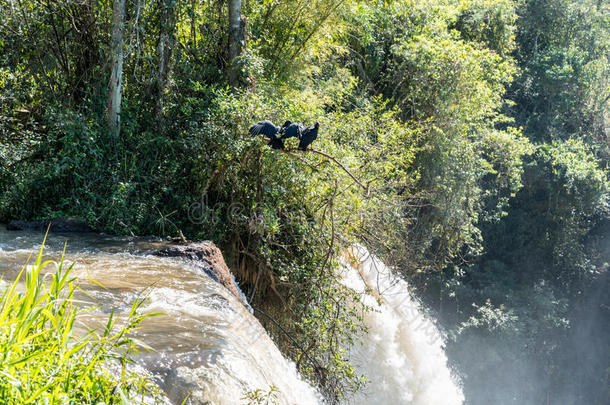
(206, 256)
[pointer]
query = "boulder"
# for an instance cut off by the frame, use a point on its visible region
(206, 256)
(57, 225)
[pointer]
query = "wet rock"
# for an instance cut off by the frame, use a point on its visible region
(57, 225)
(206, 256)
(185, 382)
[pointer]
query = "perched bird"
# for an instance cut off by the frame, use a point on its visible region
(308, 135)
(293, 130)
(268, 129)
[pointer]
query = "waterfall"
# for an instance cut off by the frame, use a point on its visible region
(402, 354)
(209, 347)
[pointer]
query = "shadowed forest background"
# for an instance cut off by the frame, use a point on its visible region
(478, 131)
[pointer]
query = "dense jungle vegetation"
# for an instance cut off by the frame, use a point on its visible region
(470, 141)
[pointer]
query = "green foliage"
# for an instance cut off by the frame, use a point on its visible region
(449, 85)
(580, 175)
(289, 33)
(562, 91)
(491, 23)
(570, 193)
(260, 397)
(42, 360)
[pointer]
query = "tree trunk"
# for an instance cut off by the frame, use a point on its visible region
(165, 49)
(113, 110)
(236, 39)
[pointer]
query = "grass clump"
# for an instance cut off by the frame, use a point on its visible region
(43, 360)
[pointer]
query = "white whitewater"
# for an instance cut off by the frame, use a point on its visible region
(402, 356)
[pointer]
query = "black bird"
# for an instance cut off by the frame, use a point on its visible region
(293, 130)
(308, 135)
(265, 128)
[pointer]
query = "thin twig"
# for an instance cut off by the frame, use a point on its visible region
(300, 159)
(334, 160)
(331, 244)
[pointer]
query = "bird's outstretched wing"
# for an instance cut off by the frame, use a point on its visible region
(264, 128)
